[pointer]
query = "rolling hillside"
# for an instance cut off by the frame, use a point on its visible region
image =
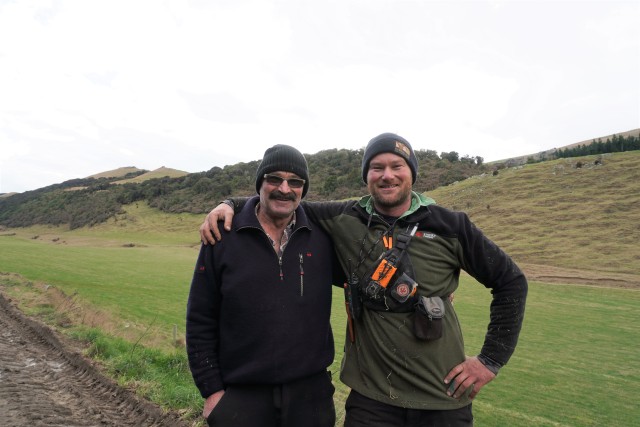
(550, 153)
(157, 173)
(560, 222)
(569, 220)
(565, 220)
(118, 173)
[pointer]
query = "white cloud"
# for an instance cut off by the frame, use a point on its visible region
(92, 86)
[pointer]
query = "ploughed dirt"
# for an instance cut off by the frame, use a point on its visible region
(43, 382)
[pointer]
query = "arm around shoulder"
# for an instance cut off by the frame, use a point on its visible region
(209, 229)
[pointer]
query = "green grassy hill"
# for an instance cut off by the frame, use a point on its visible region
(562, 222)
(566, 225)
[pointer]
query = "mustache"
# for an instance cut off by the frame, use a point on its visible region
(279, 195)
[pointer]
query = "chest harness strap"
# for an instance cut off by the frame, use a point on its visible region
(388, 264)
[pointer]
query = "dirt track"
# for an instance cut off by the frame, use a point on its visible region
(42, 383)
(550, 274)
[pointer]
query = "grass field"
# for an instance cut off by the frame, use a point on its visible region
(575, 364)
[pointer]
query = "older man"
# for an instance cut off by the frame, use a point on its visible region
(258, 334)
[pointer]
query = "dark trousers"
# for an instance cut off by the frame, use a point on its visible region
(301, 403)
(364, 412)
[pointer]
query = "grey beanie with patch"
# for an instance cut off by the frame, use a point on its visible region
(389, 143)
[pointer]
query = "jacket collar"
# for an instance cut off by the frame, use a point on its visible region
(417, 201)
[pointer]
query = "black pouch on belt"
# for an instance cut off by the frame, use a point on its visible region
(427, 319)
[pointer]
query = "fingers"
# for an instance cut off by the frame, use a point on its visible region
(206, 235)
(227, 221)
(456, 380)
(453, 373)
(213, 226)
(209, 231)
(460, 384)
(474, 391)
(223, 211)
(469, 375)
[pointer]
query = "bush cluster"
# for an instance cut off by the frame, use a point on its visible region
(334, 174)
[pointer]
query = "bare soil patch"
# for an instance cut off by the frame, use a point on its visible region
(550, 274)
(45, 382)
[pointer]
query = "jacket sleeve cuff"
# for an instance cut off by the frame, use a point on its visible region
(207, 389)
(490, 364)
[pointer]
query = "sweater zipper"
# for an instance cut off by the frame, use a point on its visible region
(278, 256)
(280, 262)
(301, 275)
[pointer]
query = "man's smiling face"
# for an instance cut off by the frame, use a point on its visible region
(389, 181)
(280, 201)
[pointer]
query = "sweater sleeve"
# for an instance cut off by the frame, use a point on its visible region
(488, 264)
(323, 213)
(203, 308)
(237, 203)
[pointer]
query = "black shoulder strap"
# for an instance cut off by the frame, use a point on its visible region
(404, 238)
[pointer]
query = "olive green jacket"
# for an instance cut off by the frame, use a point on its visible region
(387, 362)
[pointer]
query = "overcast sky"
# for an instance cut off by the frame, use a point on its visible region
(89, 86)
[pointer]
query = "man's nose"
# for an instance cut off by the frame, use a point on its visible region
(284, 186)
(387, 173)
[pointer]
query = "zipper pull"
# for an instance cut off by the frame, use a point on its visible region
(301, 275)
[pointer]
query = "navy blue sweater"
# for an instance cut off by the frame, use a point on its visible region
(253, 318)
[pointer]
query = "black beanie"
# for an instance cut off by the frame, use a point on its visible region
(389, 143)
(286, 159)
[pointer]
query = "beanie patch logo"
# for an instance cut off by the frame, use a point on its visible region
(402, 149)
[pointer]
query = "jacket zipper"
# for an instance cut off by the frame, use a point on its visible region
(300, 257)
(301, 275)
